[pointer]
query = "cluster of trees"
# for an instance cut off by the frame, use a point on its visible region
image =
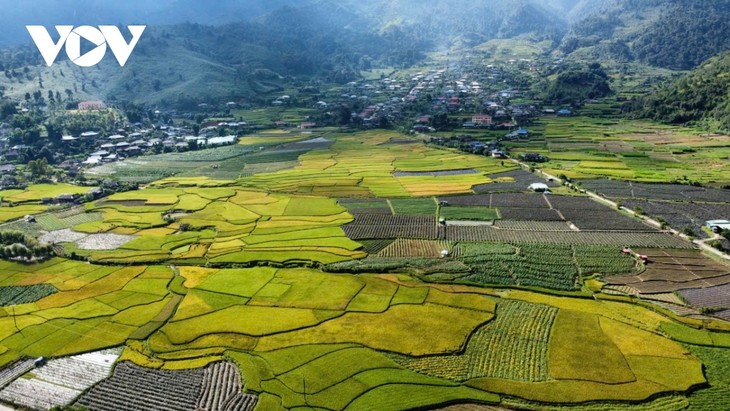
(577, 83)
(686, 35)
(18, 246)
(699, 97)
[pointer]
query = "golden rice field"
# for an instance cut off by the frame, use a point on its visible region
(188, 272)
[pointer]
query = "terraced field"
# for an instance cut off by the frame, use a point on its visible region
(320, 277)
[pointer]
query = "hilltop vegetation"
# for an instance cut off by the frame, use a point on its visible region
(676, 35)
(697, 97)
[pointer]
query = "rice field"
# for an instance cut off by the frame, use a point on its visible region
(315, 274)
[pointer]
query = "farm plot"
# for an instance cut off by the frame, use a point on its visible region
(670, 192)
(468, 213)
(608, 238)
(715, 298)
(413, 206)
(411, 248)
(25, 294)
(222, 390)
(347, 377)
(37, 394)
(627, 363)
(518, 200)
(364, 207)
(682, 215)
(307, 306)
(96, 307)
(514, 346)
(603, 220)
(511, 181)
(222, 225)
(532, 225)
(10, 372)
(37, 192)
(476, 200)
(436, 173)
(567, 203)
(133, 388)
(527, 265)
(361, 166)
(60, 221)
(531, 214)
(672, 270)
(386, 227)
(61, 380)
(155, 167)
(104, 241)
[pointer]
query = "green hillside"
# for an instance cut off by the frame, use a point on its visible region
(701, 96)
(670, 34)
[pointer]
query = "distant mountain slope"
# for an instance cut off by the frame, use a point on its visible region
(471, 21)
(185, 64)
(676, 34)
(18, 13)
(701, 96)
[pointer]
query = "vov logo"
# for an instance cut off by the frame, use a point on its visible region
(71, 37)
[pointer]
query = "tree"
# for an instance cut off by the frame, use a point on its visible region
(39, 167)
(344, 115)
(7, 109)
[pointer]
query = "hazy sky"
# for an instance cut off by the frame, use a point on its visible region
(18, 13)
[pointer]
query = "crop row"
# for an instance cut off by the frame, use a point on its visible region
(531, 214)
(713, 297)
(633, 239)
(37, 394)
(532, 225)
(604, 221)
(25, 294)
(513, 346)
(361, 231)
(593, 259)
(627, 189)
(529, 265)
(222, 390)
(14, 370)
(682, 215)
(549, 266)
(576, 202)
(132, 387)
(387, 220)
(411, 248)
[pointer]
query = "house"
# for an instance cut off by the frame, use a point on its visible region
(219, 141)
(91, 105)
(7, 169)
(66, 198)
(89, 134)
(482, 119)
(522, 133)
(539, 188)
(92, 160)
(533, 157)
(12, 155)
(307, 125)
(718, 225)
(565, 112)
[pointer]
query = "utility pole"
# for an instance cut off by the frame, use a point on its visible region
(15, 321)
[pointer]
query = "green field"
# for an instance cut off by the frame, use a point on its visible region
(250, 262)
